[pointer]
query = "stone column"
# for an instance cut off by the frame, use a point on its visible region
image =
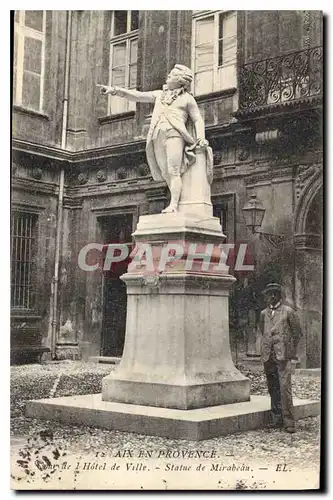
(253, 336)
(67, 346)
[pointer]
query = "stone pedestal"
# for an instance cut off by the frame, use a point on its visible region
(177, 352)
(67, 350)
(195, 425)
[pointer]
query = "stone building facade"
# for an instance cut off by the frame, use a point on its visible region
(79, 172)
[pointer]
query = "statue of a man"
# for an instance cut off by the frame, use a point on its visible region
(176, 129)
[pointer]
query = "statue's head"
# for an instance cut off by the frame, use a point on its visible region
(179, 76)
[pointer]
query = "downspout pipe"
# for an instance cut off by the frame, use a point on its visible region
(55, 281)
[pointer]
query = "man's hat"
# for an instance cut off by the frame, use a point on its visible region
(273, 287)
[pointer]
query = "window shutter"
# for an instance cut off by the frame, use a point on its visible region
(123, 58)
(34, 19)
(204, 55)
(32, 67)
(29, 44)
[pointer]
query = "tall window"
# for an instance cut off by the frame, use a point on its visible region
(29, 50)
(23, 241)
(214, 51)
(123, 57)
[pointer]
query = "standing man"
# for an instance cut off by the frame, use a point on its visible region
(281, 332)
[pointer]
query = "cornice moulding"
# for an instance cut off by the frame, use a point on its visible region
(31, 185)
(110, 151)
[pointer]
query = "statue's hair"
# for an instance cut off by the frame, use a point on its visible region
(185, 77)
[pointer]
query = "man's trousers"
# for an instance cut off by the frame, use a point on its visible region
(278, 375)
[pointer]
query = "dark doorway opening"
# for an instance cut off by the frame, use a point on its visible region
(115, 229)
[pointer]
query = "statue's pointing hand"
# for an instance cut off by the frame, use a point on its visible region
(104, 89)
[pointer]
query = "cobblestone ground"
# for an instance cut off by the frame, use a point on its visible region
(266, 446)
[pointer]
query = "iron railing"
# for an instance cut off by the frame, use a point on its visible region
(280, 80)
(22, 259)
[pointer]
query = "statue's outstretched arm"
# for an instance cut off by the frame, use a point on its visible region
(130, 95)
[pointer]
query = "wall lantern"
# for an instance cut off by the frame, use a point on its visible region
(254, 212)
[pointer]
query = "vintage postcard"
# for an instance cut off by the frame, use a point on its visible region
(166, 249)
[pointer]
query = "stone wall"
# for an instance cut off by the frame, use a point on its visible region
(270, 33)
(34, 190)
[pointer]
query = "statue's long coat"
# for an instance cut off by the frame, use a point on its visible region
(184, 126)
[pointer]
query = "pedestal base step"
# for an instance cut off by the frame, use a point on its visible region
(111, 360)
(195, 425)
(308, 372)
(236, 389)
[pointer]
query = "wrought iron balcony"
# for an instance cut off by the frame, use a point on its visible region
(281, 81)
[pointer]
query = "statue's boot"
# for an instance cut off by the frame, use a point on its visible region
(175, 189)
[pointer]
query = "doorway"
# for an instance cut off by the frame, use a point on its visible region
(115, 229)
(308, 237)
(313, 281)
